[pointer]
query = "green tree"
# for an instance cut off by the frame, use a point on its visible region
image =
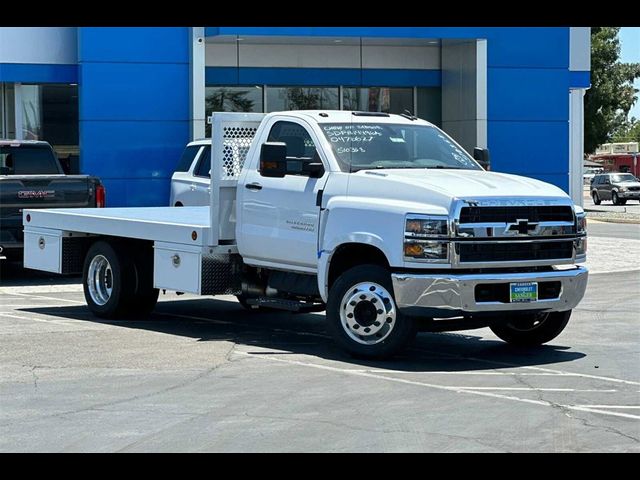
(628, 132)
(611, 96)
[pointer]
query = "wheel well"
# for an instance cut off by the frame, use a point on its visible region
(350, 255)
(178, 204)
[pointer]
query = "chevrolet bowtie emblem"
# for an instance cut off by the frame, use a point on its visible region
(523, 226)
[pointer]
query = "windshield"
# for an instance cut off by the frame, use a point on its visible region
(359, 146)
(624, 177)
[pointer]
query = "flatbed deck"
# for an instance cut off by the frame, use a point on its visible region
(164, 224)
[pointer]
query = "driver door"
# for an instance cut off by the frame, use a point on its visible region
(279, 216)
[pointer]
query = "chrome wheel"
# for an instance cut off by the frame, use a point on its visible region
(100, 280)
(368, 313)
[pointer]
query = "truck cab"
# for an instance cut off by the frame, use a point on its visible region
(383, 220)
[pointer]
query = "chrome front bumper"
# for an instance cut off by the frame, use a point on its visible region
(449, 293)
(629, 195)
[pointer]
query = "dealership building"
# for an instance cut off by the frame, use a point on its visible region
(122, 102)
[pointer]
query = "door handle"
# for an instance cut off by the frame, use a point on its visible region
(253, 186)
(192, 187)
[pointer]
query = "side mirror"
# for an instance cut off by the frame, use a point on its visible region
(481, 155)
(273, 159)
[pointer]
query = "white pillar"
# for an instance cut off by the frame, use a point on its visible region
(576, 144)
(197, 83)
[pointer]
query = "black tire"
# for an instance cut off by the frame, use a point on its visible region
(615, 199)
(403, 329)
(529, 330)
(596, 198)
(122, 281)
(143, 297)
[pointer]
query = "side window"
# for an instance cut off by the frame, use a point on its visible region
(298, 140)
(204, 165)
(187, 157)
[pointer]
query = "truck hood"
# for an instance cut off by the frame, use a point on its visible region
(441, 187)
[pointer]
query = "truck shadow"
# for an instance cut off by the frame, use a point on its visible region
(285, 334)
(13, 274)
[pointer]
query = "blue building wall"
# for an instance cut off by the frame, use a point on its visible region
(134, 109)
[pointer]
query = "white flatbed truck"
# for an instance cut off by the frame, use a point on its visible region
(383, 220)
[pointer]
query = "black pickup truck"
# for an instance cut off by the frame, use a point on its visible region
(31, 177)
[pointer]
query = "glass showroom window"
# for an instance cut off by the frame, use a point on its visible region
(378, 99)
(50, 113)
(301, 98)
(232, 99)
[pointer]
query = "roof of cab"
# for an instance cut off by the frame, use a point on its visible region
(348, 116)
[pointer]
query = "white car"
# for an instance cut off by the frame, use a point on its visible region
(190, 183)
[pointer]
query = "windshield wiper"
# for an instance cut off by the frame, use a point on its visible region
(448, 168)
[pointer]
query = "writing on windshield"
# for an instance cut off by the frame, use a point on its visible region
(360, 146)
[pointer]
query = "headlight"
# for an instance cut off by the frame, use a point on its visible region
(420, 234)
(581, 224)
(426, 250)
(425, 226)
(622, 189)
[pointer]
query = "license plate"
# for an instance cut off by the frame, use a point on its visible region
(523, 292)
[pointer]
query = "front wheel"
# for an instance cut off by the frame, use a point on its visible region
(528, 330)
(616, 199)
(362, 315)
(596, 198)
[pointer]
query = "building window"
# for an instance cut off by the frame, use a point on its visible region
(50, 113)
(378, 99)
(302, 98)
(232, 99)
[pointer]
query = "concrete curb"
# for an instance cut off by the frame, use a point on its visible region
(612, 219)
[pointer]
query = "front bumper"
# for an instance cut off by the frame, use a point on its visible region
(629, 195)
(450, 294)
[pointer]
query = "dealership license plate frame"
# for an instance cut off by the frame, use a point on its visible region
(523, 292)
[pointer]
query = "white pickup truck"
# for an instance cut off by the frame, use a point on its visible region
(382, 220)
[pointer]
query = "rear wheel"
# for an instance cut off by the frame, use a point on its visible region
(596, 198)
(529, 330)
(108, 279)
(362, 315)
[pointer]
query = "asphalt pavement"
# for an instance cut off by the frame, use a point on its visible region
(205, 375)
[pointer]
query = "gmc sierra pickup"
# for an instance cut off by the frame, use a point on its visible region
(382, 220)
(31, 177)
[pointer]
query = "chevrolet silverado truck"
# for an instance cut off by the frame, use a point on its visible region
(382, 220)
(31, 177)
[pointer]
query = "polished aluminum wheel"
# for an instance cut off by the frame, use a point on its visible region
(368, 313)
(100, 280)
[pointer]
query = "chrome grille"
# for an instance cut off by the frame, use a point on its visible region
(513, 251)
(509, 214)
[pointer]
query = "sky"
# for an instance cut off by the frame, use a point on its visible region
(630, 53)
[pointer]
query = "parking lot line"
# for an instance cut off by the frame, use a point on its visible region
(30, 295)
(541, 369)
(577, 390)
(436, 386)
(635, 407)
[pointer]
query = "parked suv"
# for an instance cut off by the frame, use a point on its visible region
(190, 183)
(617, 187)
